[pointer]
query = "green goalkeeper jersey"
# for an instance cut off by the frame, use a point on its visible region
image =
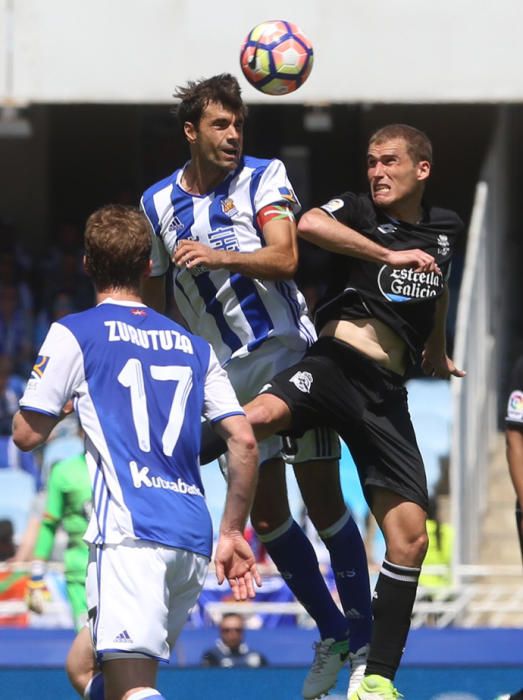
(69, 505)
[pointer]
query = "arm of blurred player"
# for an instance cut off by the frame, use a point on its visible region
(277, 260)
(316, 226)
(434, 360)
(234, 558)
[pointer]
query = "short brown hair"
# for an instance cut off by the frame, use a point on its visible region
(117, 247)
(418, 143)
(195, 96)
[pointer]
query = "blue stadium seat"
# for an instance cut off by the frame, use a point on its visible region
(17, 490)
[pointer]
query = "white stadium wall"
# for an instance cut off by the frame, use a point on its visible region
(135, 51)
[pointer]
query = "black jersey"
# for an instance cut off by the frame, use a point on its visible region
(403, 299)
(514, 417)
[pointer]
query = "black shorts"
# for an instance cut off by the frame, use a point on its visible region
(366, 404)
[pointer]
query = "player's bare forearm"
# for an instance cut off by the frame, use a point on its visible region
(242, 462)
(514, 440)
(317, 227)
(278, 259)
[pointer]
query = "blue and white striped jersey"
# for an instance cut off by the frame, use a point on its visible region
(141, 384)
(233, 312)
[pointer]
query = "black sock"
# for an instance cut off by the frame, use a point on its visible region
(392, 605)
(212, 445)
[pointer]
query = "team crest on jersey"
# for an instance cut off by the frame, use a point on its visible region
(228, 207)
(287, 194)
(139, 312)
(302, 381)
(515, 407)
(443, 244)
(39, 366)
(176, 225)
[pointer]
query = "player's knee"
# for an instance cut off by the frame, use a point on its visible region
(408, 548)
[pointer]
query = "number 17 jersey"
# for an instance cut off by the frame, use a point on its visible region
(141, 384)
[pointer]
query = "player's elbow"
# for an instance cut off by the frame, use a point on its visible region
(247, 441)
(24, 437)
(289, 268)
(309, 223)
(24, 440)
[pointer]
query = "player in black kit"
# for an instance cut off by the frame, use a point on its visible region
(374, 323)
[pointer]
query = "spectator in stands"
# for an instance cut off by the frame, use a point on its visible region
(7, 544)
(8, 395)
(69, 276)
(230, 649)
(11, 273)
(61, 305)
(15, 329)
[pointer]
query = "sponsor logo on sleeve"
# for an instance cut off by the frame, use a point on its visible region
(39, 366)
(287, 194)
(515, 407)
(333, 205)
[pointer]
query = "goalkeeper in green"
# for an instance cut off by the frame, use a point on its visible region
(69, 505)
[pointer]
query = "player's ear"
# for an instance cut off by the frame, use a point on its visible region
(423, 169)
(85, 263)
(190, 131)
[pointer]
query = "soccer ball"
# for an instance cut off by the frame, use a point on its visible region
(276, 57)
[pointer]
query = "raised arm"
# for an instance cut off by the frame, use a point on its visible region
(316, 226)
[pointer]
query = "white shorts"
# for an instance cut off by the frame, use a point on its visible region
(139, 595)
(249, 374)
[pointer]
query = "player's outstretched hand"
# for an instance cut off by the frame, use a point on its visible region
(234, 561)
(439, 365)
(417, 259)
